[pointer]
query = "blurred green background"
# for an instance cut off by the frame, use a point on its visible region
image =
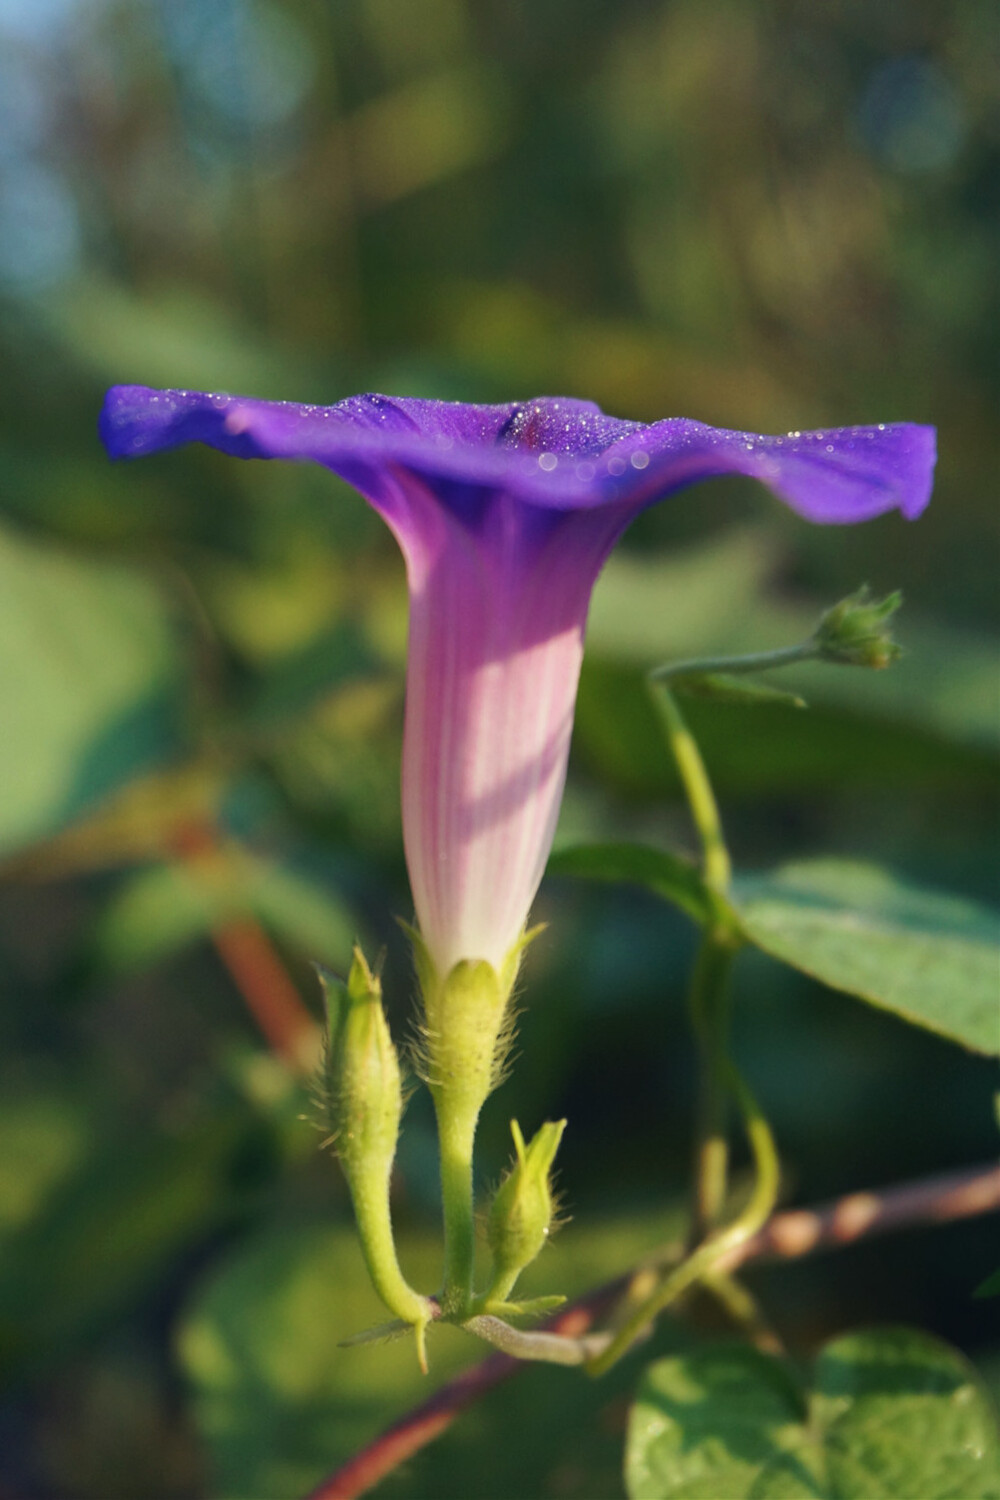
(763, 215)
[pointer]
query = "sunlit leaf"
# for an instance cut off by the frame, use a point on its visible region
(895, 1414)
(930, 958)
(720, 1422)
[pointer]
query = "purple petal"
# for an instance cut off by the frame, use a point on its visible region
(552, 452)
(843, 475)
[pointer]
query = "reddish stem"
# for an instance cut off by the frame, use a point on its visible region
(270, 995)
(251, 959)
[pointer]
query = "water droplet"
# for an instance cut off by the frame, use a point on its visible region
(547, 461)
(585, 471)
(640, 459)
(616, 465)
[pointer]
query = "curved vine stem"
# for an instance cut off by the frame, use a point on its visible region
(713, 1251)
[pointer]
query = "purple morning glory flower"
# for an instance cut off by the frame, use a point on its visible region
(505, 516)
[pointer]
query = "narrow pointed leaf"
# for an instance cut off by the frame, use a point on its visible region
(658, 870)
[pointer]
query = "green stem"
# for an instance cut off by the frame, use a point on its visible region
(456, 1133)
(716, 864)
(742, 1307)
(756, 661)
(371, 1211)
(714, 1250)
(710, 1008)
(710, 984)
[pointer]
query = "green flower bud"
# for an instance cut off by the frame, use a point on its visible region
(364, 1096)
(855, 631)
(521, 1212)
(363, 1099)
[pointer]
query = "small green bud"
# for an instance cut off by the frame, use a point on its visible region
(361, 1084)
(521, 1212)
(856, 633)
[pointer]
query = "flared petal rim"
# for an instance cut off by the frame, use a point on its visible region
(552, 452)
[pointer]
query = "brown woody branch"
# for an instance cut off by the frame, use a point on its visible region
(789, 1235)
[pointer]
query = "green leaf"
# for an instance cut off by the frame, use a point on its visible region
(904, 1415)
(166, 907)
(990, 1287)
(90, 680)
(930, 958)
(110, 1229)
(658, 870)
(895, 1415)
(720, 1422)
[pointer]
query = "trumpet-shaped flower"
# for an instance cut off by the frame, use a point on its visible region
(505, 516)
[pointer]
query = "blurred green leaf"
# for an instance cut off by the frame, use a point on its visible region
(171, 335)
(990, 1287)
(90, 685)
(930, 958)
(163, 909)
(618, 740)
(109, 1231)
(895, 1415)
(45, 1135)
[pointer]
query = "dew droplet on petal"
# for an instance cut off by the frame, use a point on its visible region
(640, 459)
(616, 465)
(547, 461)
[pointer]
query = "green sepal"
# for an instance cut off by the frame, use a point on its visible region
(722, 687)
(381, 1333)
(512, 963)
(361, 1092)
(361, 1084)
(463, 1042)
